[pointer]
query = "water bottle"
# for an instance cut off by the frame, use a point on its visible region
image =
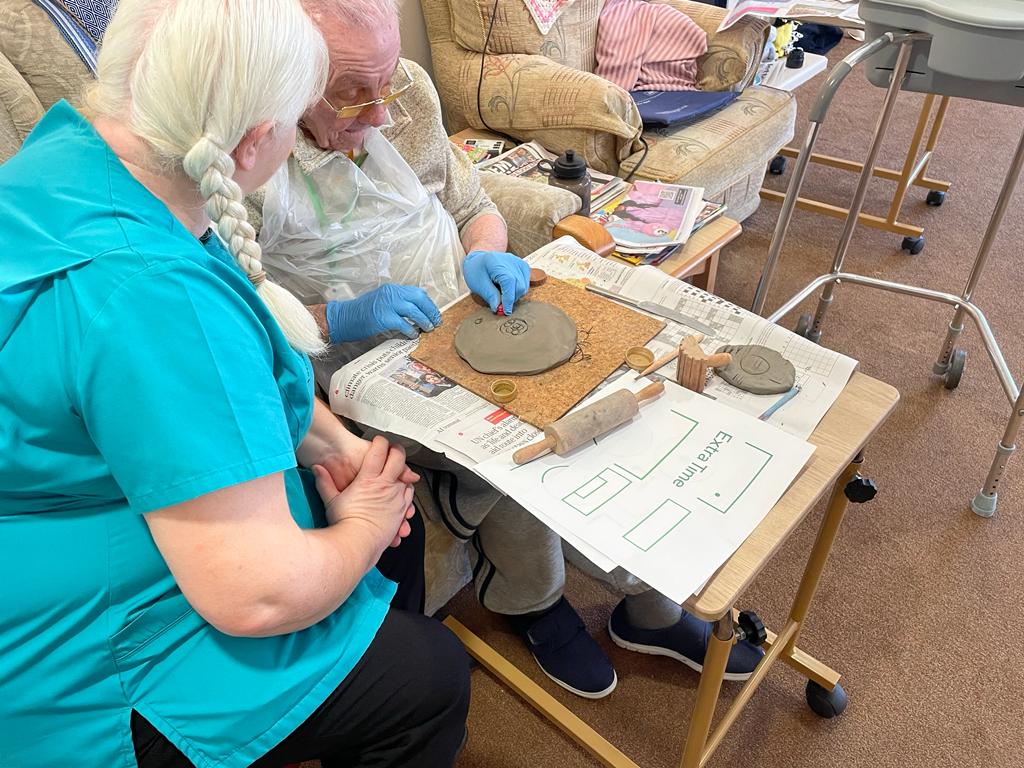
(569, 171)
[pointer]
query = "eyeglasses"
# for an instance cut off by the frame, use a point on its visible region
(354, 110)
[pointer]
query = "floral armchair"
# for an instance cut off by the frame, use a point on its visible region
(542, 87)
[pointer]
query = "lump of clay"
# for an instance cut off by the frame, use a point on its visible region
(536, 337)
(757, 369)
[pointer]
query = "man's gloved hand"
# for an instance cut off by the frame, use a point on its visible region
(485, 268)
(388, 308)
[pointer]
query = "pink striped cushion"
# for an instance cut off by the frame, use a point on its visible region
(648, 46)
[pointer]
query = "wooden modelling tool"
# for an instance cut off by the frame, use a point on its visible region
(666, 359)
(588, 423)
(693, 363)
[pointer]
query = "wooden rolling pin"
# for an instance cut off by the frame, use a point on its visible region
(588, 423)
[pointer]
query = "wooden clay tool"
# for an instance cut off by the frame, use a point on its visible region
(666, 359)
(588, 423)
(693, 364)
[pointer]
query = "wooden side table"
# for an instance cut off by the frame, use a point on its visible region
(698, 259)
(860, 410)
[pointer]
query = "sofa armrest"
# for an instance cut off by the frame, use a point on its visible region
(530, 97)
(733, 56)
(531, 210)
(20, 110)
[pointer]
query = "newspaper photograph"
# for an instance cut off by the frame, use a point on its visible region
(388, 390)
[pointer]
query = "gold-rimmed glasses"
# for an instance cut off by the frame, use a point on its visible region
(354, 110)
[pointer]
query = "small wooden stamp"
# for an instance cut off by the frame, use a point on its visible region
(693, 363)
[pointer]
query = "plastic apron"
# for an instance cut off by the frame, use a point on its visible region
(343, 230)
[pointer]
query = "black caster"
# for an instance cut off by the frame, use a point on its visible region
(957, 361)
(935, 198)
(804, 328)
(777, 166)
(914, 245)
(826, 703)
(860, 490)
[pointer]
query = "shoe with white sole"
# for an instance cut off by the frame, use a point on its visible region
(566, 652)
(685, 641)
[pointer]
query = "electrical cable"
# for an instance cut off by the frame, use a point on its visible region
(642, 157)
(480, 80)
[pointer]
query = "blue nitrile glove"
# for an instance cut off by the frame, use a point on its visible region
(388, 308)
(485, 268)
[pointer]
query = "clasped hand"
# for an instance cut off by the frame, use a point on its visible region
(387, 308)
(484, 269)
(377, 495)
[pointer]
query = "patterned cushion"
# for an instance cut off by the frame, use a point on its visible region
(20, 108)
(32, 44)
(570, 41)
(716, 151)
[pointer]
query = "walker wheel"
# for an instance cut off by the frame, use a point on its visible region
(935, 197)
(914, 245)
(777, 166)
(957, 361)
(825, 703)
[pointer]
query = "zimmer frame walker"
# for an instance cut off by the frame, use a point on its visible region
(951, 359)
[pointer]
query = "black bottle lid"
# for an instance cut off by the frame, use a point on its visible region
(568, 165)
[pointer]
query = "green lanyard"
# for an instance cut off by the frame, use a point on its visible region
(314, 195)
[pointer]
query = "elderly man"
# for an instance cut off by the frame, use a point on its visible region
(371, 227)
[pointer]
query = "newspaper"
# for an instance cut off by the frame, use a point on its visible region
(651, 216)
(387, 390)
(821, 373)
(526, 162)
(787, 9)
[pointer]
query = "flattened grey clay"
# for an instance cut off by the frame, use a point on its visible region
(757, 369)
(536, 337)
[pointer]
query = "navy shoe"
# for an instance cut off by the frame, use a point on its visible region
(685, 641)
(566, 652)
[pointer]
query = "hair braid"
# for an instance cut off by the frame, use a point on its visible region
(212, 168)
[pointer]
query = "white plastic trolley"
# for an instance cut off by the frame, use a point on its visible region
(973, 50)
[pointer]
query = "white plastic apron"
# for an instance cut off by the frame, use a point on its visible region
(344, 230)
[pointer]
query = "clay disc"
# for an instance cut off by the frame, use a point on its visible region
(537, 336)
(757, 369)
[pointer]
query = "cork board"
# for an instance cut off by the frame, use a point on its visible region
(605, 330)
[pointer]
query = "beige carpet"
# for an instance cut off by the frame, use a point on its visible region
(921, 606)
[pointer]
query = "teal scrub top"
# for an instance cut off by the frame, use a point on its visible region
(138, 369)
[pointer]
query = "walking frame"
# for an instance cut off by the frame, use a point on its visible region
(951, 359)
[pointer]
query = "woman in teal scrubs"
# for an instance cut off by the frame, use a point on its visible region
(166, 599)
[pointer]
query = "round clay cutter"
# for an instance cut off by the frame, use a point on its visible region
(503, 390)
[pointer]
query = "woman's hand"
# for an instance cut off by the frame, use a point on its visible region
(375, 497)
(342, 462)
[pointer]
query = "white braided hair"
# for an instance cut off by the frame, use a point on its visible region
(191, 78)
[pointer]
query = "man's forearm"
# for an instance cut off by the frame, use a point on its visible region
(485, 233)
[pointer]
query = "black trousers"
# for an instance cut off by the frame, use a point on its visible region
(404, 704)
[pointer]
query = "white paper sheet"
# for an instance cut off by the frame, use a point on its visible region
(669, 496)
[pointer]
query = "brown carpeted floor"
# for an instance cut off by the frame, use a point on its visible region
(921, 606)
